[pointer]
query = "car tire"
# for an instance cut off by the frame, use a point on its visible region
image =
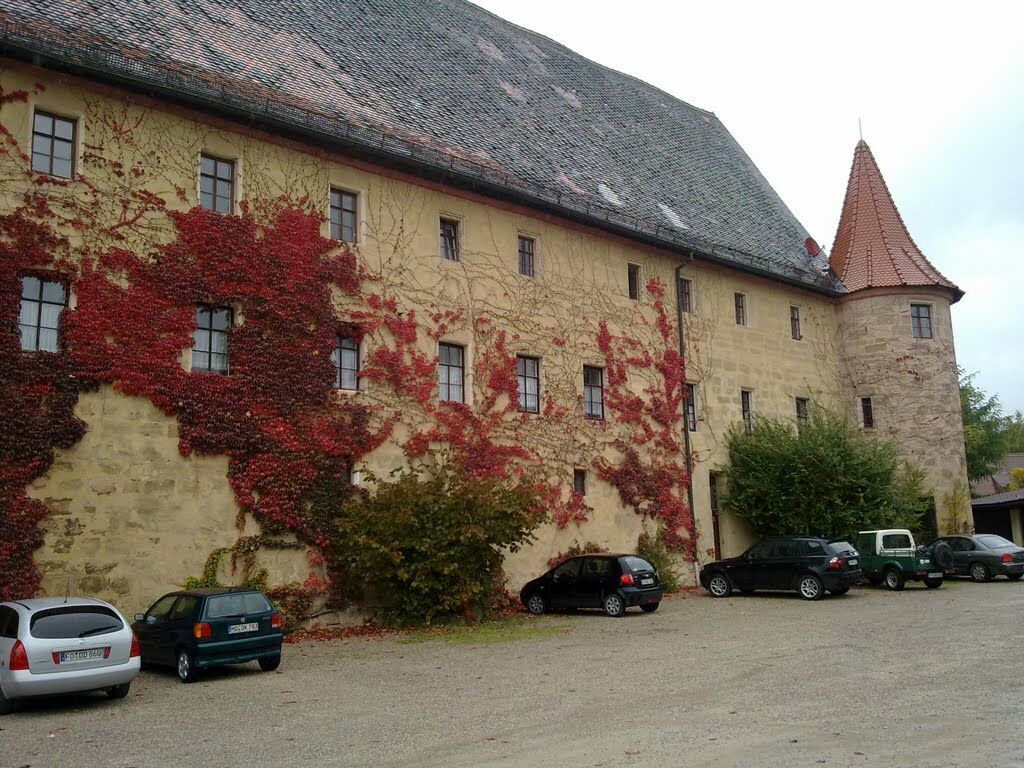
(614, 605)
(6, 705)
(270, 663)
(649, 607)
(719, 585)
(933, 583)
(894, 579)
(118, 691)
(810, 587)
(839, 590)
(536, 604)
(942, 554)
(980, 573)
(185, 666)
(1014, 576)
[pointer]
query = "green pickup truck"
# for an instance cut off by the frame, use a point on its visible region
(892, 558)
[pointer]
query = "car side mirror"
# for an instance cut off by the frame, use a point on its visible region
(140, 617)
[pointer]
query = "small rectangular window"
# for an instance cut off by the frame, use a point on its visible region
(450, 239)
(528, 378)
(803, 415)
(210, 338)
(685, 295)
(633, 275)
(747, 408)
(794, 323)
(216, 184)
(579, 481)
(593, 392)
(921, 320)
(867, 414)
(527, 247)
(343, 215)
(42, 303)
(741, 308)
(53, 145)
(451, 368)
(346, 362)
(691, 407)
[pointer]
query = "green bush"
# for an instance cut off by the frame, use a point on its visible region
(432, 540)
(830, 478)
(654, 551)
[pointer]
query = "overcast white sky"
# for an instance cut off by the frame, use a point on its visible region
(940, 91)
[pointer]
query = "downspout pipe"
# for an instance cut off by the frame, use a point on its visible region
(681, 326)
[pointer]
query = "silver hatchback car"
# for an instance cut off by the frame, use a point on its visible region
(53, 645)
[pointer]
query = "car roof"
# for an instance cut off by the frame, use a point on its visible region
(41, 603)
(213, 591)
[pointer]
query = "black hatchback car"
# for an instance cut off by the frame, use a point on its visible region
(607, 581)
(194, 629)
(806, 565)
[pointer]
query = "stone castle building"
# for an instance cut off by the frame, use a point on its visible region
(527, 232)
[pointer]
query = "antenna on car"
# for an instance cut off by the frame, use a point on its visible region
(67, 589)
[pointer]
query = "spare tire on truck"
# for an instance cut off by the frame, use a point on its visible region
(942, 554)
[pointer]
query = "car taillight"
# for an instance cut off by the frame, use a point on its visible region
(19, 658)
(627, 579)
(275, 621)
(1007, 557)
(199, 631)
(136, 650)
(836, 563)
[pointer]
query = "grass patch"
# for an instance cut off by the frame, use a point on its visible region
(504, 630)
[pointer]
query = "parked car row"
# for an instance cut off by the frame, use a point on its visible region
(73, 645)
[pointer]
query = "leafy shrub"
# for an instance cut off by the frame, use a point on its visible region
(432, 541)
(654, 551)
(575, 550)
(828, 479)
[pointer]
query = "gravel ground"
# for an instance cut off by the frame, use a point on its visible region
(918, 678)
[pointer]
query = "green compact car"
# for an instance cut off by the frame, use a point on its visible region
(891, 557)
(195, 629)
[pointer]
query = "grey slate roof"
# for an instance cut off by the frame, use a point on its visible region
(458, 85)
(1005, 500)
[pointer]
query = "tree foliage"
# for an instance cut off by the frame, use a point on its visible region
(1015, 433)
(827, 479)
(986, 430)
(1016, 479)
(432, 539)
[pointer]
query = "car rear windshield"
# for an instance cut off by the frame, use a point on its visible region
(74, 621)
(236, 604)
(637, 564)
(842, 547)
(992, 541)
(895, 541)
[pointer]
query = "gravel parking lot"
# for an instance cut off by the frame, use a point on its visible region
(874, 678)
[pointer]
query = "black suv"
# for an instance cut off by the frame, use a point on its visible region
(793, 563)
(194, 629)
(611, 582)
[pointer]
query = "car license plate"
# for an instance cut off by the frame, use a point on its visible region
(69, 657)
(236, 629)
(934, 575)
(645, 582)
(853, 561)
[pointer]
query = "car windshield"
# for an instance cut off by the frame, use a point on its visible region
(236, 604)
(74, 621)
(992, 541)
(637, 564)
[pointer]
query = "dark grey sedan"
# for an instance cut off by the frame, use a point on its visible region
(984, 556)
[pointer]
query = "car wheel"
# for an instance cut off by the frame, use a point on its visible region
(933, 583)
(810, 587)
(270, 663)
(119, 691)
(649, 607)
(942, 554)
(719, 585)
(614, 606)
(839, 590)
(6, 705)
(894, 579)
(186, 666)
(1014, 576)
(536, 604)
(980, 572)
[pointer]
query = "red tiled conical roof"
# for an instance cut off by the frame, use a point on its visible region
(873, 248)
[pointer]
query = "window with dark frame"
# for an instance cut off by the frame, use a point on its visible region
(867, 413)
(449, 239)
(579, 481)
(42, 303)
(53, 145)
(691, 407)
(794, 323)
(685, 295)
(528, 381)
(803, 416)
(741, 308)
(343, 215)
(451, 369)
(210, 338)
(346, 362)
(633, 275)
(921, 320)
(527, 249)
(216, 184)
(747, 408)
(593, 392)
